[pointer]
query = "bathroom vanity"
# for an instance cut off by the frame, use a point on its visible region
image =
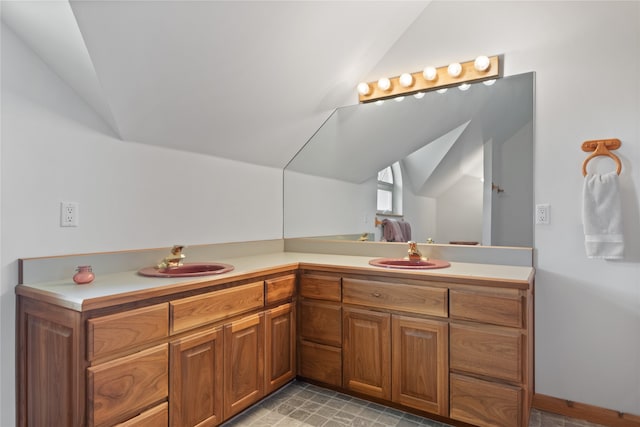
(455, 343)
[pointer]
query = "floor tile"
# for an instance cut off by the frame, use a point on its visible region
(300, 404)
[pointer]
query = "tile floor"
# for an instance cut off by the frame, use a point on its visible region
(302, 404)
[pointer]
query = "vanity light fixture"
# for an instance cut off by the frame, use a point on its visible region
(384, 84)
(443, 90)
(430, 74)
(406, 80)
(418, 95)
(363, 88)
(483, 68)
(482, 63)
(464, 86)
(454, 69)
(489, 82)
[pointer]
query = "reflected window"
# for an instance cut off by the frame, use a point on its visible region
(390, 190)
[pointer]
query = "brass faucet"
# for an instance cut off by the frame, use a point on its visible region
(173, 260)
(414, 253)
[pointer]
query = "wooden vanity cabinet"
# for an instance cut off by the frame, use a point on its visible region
(389, 352)
(491, 356)
(367, 352)
(320, 328)
(196, 367)
(280, 346)
(190, 359)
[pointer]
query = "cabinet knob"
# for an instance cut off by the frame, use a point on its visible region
(376, 294)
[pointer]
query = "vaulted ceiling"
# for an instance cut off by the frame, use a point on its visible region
(248, 81)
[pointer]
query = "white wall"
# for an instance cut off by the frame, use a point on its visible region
(131, 196)
(586, 56)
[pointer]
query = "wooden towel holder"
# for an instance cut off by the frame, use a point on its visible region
(601, 147)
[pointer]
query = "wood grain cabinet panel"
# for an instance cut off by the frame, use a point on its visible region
(505, 310)
(367, 352)
(420, 364)
(199, 310)
(320, 362)
(396, 296)
(49, 382)
(319, 286)
(115, 332)
(243, 363)
(196, 381)
(489, 351)
(154, 417)
(280, 289)
(321, 322)
(280, 346)
(484, 403)
(120, 389)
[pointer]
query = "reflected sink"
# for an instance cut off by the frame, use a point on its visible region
(403, 263)
(192, 269)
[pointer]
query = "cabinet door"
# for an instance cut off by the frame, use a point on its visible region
(196, 380)
(321, 322)
(280, 344)
(243, 363)
(420, 364)
(367, 352)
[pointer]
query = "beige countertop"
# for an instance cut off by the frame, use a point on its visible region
(115, 288)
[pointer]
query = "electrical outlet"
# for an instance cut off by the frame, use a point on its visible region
(69, 214)
(542, 214)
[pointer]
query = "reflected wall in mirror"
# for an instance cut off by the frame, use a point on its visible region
(466, 159)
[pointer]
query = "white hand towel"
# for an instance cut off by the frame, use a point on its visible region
(602, 216)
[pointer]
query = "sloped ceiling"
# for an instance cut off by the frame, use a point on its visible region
(249, 81)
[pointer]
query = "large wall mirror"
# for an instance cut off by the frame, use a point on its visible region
(464, 162)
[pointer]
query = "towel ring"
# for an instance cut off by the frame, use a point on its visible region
(601, 147)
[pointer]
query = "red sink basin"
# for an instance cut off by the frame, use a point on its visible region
(192, 269)
(402, 263)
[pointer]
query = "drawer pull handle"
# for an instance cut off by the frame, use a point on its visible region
(376, 294)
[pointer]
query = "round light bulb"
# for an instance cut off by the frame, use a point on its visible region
(406, 80)
(454, 69)
(430, 73)
(418, 95)
(363, 88)
(482, 63)
(384, 84)
(464, 86)
(489, 82)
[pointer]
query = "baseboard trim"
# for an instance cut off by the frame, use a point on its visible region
(594, 414)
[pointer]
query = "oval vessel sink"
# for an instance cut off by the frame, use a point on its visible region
(192, 269)
(403, 263)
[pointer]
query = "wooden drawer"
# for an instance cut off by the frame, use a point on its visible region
(487, 350)
(120, 389)
(319, 286)
(321, 322)
(191, 312)
(157, 416)
(396, 296)
(483, 403)
(280, 289)
(109, 334)
(320, 362)
(505, 310)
